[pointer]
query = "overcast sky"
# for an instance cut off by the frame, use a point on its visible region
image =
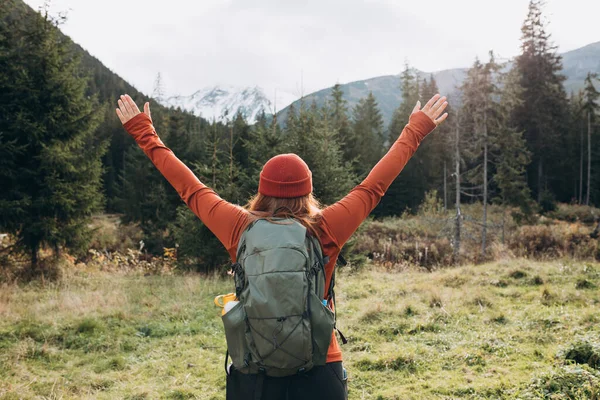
(288, 45)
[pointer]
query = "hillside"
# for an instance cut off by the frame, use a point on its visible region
(106, 85)
(386, 89)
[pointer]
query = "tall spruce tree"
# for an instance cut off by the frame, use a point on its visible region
(264, 141)
(409, 189)
(495, 152)
(337, 107)
(433, 153)
(576, 132)
(510, 156)
(409, 96)
(367, 125)
(219, 169)
(312, 137)
(591, 108)
(478, 113)
(51, 181)
(542, 115)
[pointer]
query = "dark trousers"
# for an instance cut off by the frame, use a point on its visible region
(320, 383)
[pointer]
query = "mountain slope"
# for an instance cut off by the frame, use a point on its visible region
(387, 92)
(106, 86)
(577, 63)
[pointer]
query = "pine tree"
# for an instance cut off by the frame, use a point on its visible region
(577, 127)
(510, 156)
(312, 137)
(478, 90)
(409, 97)
(542, 115)
(457, 175)
(591, 108)
(337, 107)
(495, 153)
(418, 176)
(264, 142)
(219, 169)
(433, 153)
(53, 173)
(367, 126)
(146, 198)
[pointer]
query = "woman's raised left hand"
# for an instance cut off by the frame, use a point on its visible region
(128, 109)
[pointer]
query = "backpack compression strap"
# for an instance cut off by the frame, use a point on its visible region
(341, 261)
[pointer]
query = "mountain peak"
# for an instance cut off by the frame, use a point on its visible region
(223, 102)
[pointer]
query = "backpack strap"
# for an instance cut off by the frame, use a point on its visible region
(341, 261)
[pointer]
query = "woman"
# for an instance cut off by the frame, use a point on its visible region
(286, 184)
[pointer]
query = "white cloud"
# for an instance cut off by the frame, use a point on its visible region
(277, 44)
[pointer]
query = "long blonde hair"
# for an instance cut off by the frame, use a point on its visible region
(305, 209)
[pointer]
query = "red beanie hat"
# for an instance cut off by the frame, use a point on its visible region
(285, 176)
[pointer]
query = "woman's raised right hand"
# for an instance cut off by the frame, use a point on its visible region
(433, 109)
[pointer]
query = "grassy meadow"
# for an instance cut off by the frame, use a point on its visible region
(506, 329)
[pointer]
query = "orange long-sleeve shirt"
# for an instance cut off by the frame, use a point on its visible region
(228, 221)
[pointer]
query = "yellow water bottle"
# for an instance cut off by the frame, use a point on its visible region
(223, 299)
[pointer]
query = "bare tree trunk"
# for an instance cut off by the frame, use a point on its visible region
(540, 170)
(34, 258)
(485, 186)
(581, 167)
(231, 154)
(589, 166)
(456, 254)
(445, 187)
(214, 157)
(503, 224)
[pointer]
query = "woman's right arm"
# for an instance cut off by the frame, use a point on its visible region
(224, 219)
(344, 217)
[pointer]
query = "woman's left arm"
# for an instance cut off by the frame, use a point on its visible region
(344, 217)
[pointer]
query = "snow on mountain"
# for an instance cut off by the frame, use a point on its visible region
(224, 102)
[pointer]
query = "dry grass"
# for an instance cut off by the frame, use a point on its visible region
(453, 333)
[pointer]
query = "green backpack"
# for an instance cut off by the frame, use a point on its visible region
(280, 326)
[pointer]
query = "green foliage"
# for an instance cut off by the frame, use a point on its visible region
(367, 144)
(583, 351)
(198, 248)
(547, 202)
(542, 114)
(53, 175)
(313, 137)
(561, 240)
(579, 383)
(591, 96)
(575, 213)
(144, 199)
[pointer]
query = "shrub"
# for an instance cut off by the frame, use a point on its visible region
(110, 235)
(584, 284)
(537, 280)
(576, 383)
(403, 242)
(547, 202)
(407, 364)
(575, 213)
(583, 351)
(199, 249)
(552, 241)
(517, 274)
